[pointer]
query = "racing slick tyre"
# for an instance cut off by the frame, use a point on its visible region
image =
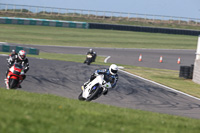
(13, 83)
(88, 63)
(80, 97)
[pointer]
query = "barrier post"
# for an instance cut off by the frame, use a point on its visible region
(198, 49)
(196, 72)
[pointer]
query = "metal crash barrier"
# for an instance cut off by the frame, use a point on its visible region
(43, 22)
(8, 48)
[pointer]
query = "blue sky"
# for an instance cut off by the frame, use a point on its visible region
(179, 8)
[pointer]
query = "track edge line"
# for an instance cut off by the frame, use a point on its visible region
(160, 85)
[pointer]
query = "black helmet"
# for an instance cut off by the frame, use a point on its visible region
(91, 50)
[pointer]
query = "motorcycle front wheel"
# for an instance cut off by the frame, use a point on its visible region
(95, 94)
(13, 83)
(80, 97)
(88, 62)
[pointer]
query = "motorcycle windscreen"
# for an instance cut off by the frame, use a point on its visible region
(16, 72)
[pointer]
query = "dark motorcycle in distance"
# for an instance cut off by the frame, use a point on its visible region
(15, 76)
(90, 58)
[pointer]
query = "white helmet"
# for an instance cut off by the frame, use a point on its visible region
(113, 69)
(22, 55)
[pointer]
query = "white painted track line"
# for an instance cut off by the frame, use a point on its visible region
(106, 59)
(160, 85)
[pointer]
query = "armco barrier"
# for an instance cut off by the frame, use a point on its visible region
(18, 48)
(143, 29)
(84, 25)
(43, 22)
(5, 48)
(8, 48)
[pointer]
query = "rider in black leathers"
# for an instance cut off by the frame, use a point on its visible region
(91, 52)
(18, 58)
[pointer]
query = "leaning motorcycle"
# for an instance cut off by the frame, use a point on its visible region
(94, 89)
(88, 59)
(14, 77)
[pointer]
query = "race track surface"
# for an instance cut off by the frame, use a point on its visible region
(65, 78)
(150, 57)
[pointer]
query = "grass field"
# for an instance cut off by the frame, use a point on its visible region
(23, 112)
(41, 35)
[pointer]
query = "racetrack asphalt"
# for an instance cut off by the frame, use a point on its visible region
(65, 79)
(150, 57)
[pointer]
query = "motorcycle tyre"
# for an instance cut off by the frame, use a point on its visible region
(88, 63)
(80, 97)
(13, 83)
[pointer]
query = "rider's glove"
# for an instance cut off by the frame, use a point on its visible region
(95, 74)
(104, 82)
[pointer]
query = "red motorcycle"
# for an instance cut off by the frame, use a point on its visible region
(15, 76)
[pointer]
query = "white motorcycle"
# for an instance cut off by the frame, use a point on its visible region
(94, 89)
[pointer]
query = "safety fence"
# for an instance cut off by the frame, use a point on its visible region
(143, 29)
(5, 47)
(95, 14)
(85, 25)
(43, 22)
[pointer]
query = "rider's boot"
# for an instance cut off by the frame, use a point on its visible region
(7, 86)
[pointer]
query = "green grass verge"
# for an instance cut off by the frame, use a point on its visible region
(64, 57)
(68, 57)
(24, 112)
(41, 35)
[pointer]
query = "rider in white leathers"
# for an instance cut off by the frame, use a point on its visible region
(110, 75)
